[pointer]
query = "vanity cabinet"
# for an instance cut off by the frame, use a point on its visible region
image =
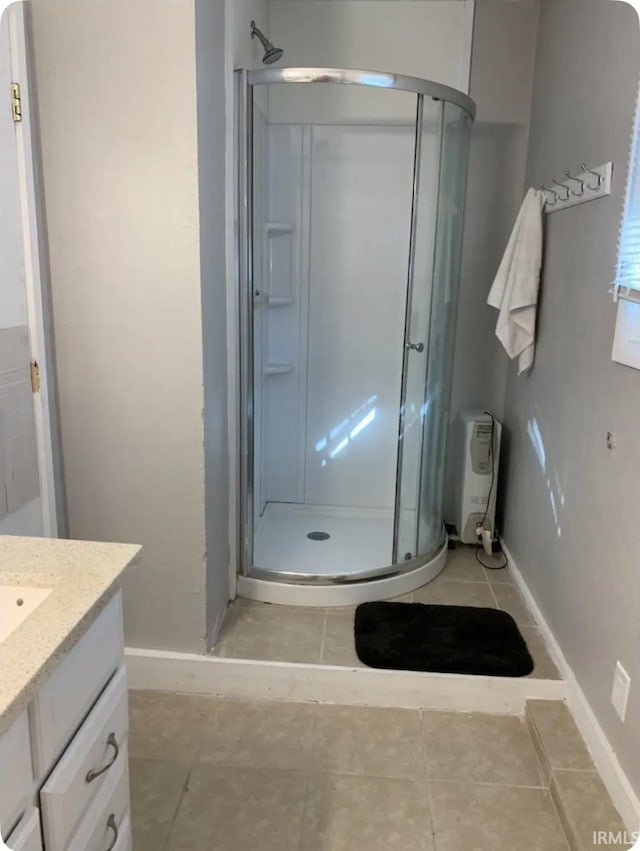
(27, 836)
(64, 776)
(16, 773)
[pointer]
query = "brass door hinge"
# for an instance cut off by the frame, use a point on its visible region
(35, 377)
(16, 102)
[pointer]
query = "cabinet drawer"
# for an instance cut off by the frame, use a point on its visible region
(27, 835)
(63, 701)
(16, 773)
(68, 792)
(110, 806)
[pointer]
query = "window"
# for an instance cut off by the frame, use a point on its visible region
(626, 287)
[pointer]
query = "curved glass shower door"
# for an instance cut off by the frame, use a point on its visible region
(347, 298)
(431, 314)
(456, 133)
(414, 409)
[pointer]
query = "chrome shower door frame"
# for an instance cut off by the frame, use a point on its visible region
(357, 77)
(245, 422)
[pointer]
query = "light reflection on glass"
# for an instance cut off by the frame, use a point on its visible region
(412, 416)
(339, 448)
(337, 429)
(363, 424)
(381, 81)
(357, 423)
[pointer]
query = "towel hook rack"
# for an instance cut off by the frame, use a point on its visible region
(576, 180)
(557, 183)
(578, 188)
(552, 191)
(595, 173)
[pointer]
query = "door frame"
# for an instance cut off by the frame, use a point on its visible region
(36, 272)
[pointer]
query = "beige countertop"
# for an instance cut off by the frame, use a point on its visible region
(83, 575)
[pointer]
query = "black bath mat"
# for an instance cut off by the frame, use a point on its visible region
(441, 639)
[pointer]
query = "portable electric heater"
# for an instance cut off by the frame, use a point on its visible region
(479, 434)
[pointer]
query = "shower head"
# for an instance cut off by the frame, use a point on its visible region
(271, 53)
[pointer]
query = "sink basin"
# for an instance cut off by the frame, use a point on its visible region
(17, 602)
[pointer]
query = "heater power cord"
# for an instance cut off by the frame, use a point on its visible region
(479, 547)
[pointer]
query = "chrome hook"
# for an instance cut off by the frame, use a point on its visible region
(595, 173)
(555, 195)
(566, 198)
(577, 180)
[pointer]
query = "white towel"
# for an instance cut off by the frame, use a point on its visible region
(515, 290)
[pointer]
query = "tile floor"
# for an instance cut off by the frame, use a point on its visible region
(582, 800)
(325, 636)
(213, 774)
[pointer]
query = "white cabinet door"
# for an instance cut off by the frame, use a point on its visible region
(16, 775)
(27, 835)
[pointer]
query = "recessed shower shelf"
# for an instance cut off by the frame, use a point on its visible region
(278, 368)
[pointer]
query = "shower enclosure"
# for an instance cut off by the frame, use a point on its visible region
(351, 195)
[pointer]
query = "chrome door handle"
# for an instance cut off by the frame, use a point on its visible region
(112, 825)
(96, 772)
(416, 347)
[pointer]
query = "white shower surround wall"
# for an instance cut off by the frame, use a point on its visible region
(431, 39)
(327, 424)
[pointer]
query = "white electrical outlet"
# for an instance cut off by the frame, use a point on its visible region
(620, 693)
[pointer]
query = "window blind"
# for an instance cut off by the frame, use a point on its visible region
(627, 282)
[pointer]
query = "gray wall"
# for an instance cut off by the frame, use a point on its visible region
(117, 99)
(573, 506)
(502, 65)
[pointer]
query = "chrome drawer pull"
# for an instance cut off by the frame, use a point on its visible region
(111, 824)
(96, 772)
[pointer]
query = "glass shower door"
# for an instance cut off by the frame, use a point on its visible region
(332, 171)
(417, 325)
(447, 261)
(441, 169)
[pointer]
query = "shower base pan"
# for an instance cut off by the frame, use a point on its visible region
(330, 556)
(308, 541)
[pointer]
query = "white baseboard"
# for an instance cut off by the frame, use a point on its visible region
(613, 776)
(184, 672)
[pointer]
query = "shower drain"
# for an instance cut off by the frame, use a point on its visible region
(318, 536)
